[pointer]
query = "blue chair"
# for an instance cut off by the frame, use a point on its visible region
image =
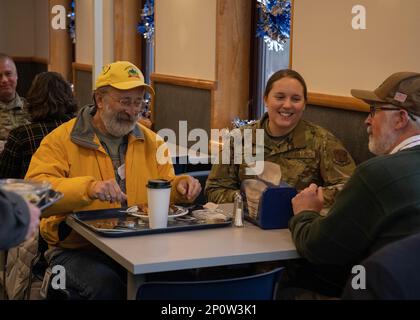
(255, 287)
(391, 273)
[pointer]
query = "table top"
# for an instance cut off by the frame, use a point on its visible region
(193, 249)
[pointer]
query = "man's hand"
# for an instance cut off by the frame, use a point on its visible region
(311, 198)
(107, 190)
(34, 214)
(189, 187)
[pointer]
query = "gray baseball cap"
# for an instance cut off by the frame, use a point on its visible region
(401, 89)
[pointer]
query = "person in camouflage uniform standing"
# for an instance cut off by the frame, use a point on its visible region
(305, 152)
(12, 111)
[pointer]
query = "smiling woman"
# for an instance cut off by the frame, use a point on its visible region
(285, 97)
(305, 152)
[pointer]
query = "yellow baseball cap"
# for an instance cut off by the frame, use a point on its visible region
(121, 75)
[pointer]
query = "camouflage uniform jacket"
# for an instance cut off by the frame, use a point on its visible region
(12, 115)
(309, 154)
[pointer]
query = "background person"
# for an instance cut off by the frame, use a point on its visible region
(305, 152)
(102, 159)
(50, 102)
(12, 111)
(380, 203)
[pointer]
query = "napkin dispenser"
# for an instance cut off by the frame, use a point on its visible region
(274, 209)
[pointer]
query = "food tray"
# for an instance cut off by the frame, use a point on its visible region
(114, 223)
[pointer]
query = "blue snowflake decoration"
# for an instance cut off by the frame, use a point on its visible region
(72, 22)
(237, 123)
(274, 22)
(146, 26)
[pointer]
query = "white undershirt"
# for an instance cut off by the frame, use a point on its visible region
(407, 144)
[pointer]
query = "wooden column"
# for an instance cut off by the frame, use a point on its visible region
(60, 44)
(233, 32)
(127, 42)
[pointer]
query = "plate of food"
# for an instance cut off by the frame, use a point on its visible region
(142, 211)
(32, 191)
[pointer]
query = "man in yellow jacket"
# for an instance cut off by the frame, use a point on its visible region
(101, 159)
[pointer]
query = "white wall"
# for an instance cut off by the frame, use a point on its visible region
(185, 35)
(334, 58)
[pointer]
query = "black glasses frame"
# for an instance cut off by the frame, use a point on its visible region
(374, 108)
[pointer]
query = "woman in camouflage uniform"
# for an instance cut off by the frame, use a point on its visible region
(305, 152)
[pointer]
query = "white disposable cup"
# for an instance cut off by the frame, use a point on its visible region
(158, 197)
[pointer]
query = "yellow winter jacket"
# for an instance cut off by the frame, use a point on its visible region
(71, 158)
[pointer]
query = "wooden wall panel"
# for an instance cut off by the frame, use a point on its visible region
(347, 125)
(82, 80)
(61, 56)
(233, 32)
(127, 42)
(174, 103)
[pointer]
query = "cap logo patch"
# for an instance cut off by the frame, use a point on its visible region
(106, 68)
(133, 73)
(400, 97)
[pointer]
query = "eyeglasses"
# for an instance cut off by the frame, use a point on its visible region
(128, 102)
(374, 108)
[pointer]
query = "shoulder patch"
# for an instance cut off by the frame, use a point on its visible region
(341, 157)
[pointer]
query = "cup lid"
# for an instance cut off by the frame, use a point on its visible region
(158, 184)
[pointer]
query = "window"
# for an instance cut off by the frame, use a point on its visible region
(264, 62)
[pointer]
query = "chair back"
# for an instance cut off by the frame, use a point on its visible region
(256, 287)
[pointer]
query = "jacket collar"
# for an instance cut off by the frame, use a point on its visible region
(16, 103)
(83, 134)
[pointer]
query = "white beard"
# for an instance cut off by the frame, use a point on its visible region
(383, 144)
(114, 125)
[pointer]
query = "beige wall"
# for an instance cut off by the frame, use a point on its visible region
(185, 40)
(84, 31)
(17, 32)
(109, 31)
(334, 58)
(24, 28)
(42, 25)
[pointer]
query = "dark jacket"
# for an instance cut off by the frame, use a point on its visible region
(14, 220)
(380, 204)
(22, 143)
(391, 273)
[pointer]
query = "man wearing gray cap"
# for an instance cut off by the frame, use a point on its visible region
(380, 203)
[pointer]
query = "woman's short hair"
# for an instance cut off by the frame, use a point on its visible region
(286, 73)
(50, 97)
